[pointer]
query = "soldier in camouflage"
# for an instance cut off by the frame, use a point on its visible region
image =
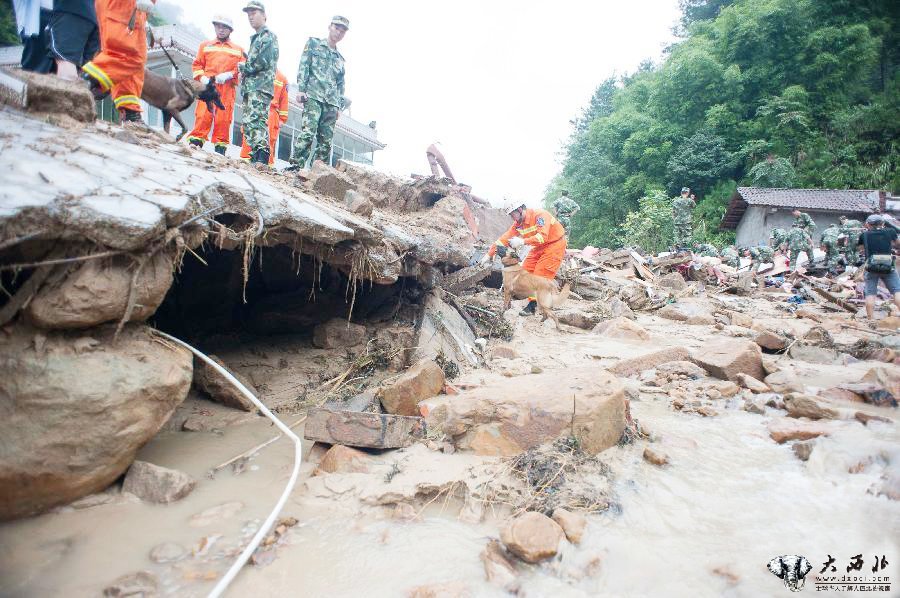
(565, 208)
(682, 218)
(778, 236)
(803, 221)
(706, 250)
(257, 82)
(853, 229)
(798, 240)
(731, 257)
(320, 80)
(763, 254)
(829, 244)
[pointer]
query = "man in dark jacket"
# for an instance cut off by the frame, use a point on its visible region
(879, 242)
(73, 37)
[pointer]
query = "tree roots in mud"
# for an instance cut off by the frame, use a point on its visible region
(551, 476)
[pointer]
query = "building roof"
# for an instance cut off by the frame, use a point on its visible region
(849, 201)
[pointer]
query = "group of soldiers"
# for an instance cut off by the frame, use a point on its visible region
(117, 70)
(839, 239)
(320, 84)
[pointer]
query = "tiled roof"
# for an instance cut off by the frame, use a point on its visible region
(847, 201)
(832, 200)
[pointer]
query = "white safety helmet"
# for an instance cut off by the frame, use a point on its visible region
(511, 205)
(223, 20)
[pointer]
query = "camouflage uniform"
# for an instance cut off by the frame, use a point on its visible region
(798, 240)
(853, 229)
(760, 255)
(321, 78)
(257, 85)
(682, 218)
(829, 242)
(731, 257)
(778, 236)
(565, 208)
(706, 250)
(805, 223)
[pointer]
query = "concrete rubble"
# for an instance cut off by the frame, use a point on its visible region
(348, 302)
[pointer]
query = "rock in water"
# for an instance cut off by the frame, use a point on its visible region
(785, 429)
(803, 449)
(621, 327)
(636, 365)
(152, 483)
(515, 414)
(343, 459)
(498, 568)
(168, 552)
(728, 359)
(73, 422)
(142, 584)
(572, 524)
(533, 537)
(806, 406)
(655, 457)
(219, 389)
(423, 380)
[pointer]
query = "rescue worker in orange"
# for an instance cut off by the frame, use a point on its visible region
(217, 60)
(119, 67)
(540, 230)
(278, 115)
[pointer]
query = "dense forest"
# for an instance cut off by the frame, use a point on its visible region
(775, 93)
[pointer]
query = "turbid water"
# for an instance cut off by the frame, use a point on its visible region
(706, 525)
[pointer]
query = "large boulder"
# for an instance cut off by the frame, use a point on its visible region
(515, 414)
(725, 360)
(684, 311)
(799, 405)
(531, 536)
(887, 376)
(338, 332)
(98, 292)
(423, 380)
(622, 328)
(219, 388)
(636, 365)
(76, 412)
(574, 316)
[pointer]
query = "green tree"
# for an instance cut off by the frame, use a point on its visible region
(650, 226)
(8, 34)
(773, 172)
(699, 161)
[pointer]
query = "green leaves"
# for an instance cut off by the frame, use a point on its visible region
(813, 83)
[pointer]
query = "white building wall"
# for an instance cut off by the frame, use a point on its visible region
(758, 222)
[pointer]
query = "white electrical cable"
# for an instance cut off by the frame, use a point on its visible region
(298, 452)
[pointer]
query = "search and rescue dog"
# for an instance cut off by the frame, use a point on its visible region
(172, 96)
(521, 284)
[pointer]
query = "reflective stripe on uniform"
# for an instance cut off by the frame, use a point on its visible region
(97, 73)
(278, 83)
(530, 229)
(127, 99)
(226, 50)
(198, 73)
(540, 238)
(499, 243)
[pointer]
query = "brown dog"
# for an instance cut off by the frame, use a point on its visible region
(172, 96)
(521, 284)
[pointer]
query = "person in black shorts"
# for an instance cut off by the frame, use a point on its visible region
(877, 240)
(72, 36)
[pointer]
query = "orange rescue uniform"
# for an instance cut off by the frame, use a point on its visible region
(278, 115)
(547, 238)
(213, 58)
(119, 67)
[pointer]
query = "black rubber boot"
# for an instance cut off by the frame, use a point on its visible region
(130, 116)
(94, 86)
(262, 157)
(220, 149)
(529, 309)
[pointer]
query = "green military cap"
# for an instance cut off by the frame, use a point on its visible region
(254, 5)
(339, 20)
(685, 190)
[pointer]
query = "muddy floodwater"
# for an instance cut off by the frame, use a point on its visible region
(704, 526)
(707, 524)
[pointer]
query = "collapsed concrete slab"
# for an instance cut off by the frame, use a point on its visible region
(366, 430)
(511, 416)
